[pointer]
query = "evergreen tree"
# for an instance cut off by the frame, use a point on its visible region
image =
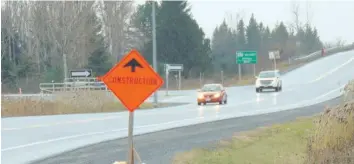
(317, 41)
(261, 28)
(241, 38)
(99, 59)
(224, 48)
(15, 64)
(266, 35)
(280, 34)
(207, 60)
(183, 45)
(253, 35)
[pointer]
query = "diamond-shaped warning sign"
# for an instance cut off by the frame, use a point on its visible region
(132, 80)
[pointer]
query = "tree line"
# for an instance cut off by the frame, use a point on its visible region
(257, 37)
(37, 35)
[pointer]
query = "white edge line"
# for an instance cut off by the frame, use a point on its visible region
(144, 126)
(333, 70)
(110, 131)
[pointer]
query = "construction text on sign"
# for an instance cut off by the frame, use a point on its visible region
(132, 80)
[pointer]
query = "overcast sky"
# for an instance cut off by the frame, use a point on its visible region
(332, 18)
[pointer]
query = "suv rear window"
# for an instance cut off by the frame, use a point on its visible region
(268, 74)
(211, 87)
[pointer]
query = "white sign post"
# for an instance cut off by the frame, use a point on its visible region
(173, 67)
(274, 55)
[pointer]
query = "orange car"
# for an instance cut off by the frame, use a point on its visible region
(212, 93)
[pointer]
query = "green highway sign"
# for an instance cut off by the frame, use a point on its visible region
(246, 57)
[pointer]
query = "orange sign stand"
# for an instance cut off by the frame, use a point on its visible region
(132, 80)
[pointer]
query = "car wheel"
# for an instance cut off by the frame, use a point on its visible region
(222, 100)
(276, 89)
(204, 103)
(225, 102)
(281, 88)
(199, 103)
(257, 90)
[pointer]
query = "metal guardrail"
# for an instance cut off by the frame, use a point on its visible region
(71, 86)
(328, 51)
(48, 97)
(314, 54)
(80, 79)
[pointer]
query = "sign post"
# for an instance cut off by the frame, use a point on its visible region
(246, 57)
(154, 56)
(132, 81)
(130, 138)
(65, 66)
(274, 55)
(173, 67)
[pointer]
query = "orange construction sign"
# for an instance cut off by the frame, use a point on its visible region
(132, 80)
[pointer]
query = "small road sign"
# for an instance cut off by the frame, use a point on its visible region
(81, 73)
(274, 55)
(246, 57)
(132, 80)
(174, 67)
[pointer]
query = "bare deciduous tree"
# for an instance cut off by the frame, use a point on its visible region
(340, 42)
(116, 17)
(50, 29)
(295, 11)
(233, 20)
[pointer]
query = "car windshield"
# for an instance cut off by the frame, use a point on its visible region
(211, 87)
(268, 74)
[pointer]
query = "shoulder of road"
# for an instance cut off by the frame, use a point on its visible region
(160, 147)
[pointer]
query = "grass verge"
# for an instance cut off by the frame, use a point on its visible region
(285, 143)
(68, 103)
(324, 139)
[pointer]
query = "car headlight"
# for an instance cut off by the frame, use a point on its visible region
(217, 95)
(258, 82)
(274, 82)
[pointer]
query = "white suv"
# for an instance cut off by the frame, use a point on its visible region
(269, 79)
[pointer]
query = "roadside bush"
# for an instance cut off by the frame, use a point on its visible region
(333, 139)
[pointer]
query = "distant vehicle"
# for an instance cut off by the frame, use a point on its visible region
(212, 93)
(268, 80)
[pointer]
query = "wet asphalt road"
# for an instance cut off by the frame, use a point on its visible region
(160, 147)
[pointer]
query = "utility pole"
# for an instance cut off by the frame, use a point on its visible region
(154, 62)
(65, 67)
(62, 44)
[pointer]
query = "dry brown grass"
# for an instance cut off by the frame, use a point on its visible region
(65, 103)
(333, 139)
